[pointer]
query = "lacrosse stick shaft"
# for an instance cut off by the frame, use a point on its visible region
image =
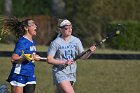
(42, 58)
(116, 33)
(101, 42)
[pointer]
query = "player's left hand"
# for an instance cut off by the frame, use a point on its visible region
(92, 48)
(35, 57)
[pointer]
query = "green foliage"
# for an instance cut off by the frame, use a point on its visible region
(23, 8)
(88, 24)
(90, 18)
(2, 7)
(129, 38)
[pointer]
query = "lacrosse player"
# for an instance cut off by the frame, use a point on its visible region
(61, 53)
(22, 77)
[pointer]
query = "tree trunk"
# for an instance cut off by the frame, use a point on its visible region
(8, 7)
(57, 7)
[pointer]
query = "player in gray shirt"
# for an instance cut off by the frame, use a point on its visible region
(61, 53)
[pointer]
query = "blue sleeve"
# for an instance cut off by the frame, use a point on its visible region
(18, 48)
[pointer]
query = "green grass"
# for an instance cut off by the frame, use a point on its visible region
(110, 76)
(10, 47)
(93, 76)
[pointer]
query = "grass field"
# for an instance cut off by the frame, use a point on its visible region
(10, 47)
(93, 76)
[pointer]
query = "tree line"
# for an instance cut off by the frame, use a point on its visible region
(90, 18)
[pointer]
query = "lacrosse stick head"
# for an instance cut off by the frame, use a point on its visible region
(117, 30)
(27, 56)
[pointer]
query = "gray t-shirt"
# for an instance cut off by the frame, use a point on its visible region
(65, 50)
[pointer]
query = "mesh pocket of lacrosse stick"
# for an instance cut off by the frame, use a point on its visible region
(27, 56)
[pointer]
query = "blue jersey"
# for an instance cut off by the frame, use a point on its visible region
(26, 67)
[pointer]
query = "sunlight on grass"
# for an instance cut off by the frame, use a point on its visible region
(7, 47)
(10, 47)
(108, 76)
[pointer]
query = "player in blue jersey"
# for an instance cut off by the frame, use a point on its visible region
(22, 77)
(61, 53)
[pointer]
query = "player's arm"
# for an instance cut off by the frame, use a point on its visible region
(16, 58)
(87, 55)
(52, 60)
(35, 57)
(30, 57)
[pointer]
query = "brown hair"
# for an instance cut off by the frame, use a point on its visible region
(13, 25)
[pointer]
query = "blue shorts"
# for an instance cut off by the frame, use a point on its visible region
(21, 80)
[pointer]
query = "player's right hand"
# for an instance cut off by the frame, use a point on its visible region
(69, 62)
